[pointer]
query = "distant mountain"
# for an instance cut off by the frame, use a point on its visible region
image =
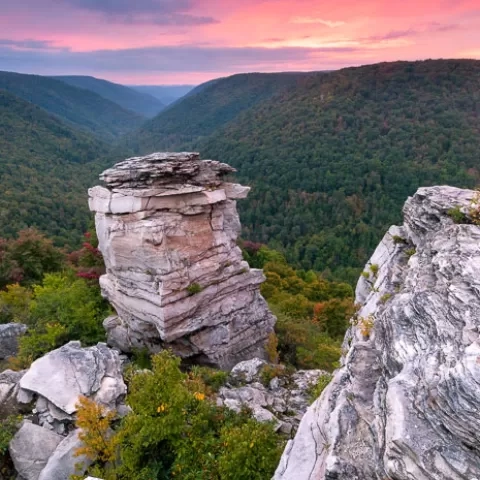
(128, 98)
(333, 156)
(210, 107)
(167, 94)
(45, 170)
(79, 107)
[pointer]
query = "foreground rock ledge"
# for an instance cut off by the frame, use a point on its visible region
(405, 404)
(167, 226)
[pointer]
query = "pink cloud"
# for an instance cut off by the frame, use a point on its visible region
(331, 34)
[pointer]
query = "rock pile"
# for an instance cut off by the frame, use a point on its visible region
(44, 446)
(167, 226)
(404, 405)
(283, 399)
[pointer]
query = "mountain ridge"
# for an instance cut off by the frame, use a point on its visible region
(78, 107)
(46, 167)
(331, 158)
(127, 97)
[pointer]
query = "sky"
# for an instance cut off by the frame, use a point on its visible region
(191, 41)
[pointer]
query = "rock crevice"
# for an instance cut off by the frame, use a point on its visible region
(167, 226)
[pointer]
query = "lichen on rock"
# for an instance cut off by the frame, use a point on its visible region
(405, 403)
(167, 226)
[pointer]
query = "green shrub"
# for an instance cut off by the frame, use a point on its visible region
(398, 240)
(385, 298)
(315, 390)
(194, 288)
(213, 378)
(8, 427)
(63, 308)
(142, 358)
(410, 252)
(374, 269)
(176, 431)
(457, 215)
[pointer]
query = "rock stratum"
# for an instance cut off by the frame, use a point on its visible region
(167, 226)
(405, 403)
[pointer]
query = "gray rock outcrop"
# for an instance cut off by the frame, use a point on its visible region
(64, 462)
(9, 334)
(30, 449)
(62, 376)
(9, 388)
(283, 400)
(167, 226)
(405, 403)
(44, 447)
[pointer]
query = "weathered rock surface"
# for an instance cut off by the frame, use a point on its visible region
(167, 227)
(284, 400)
(62, 376)
(43, 448)
(405, 403)
(63, 463)
(30, 449)
(9, 334)
(9, 387)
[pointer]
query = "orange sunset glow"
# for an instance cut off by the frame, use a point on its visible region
(191, 41)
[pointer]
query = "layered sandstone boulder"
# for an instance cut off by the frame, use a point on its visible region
(167, 226)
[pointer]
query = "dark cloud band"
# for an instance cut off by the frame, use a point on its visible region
(171, 59)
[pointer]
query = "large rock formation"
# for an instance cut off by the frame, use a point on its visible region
(167, 226)
(405, 403)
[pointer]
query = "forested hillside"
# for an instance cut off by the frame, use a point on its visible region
(332, 159)
(206, 109)
(128, 98)
(45, 170)
(79, 107)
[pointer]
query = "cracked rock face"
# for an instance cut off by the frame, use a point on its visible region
(405, 403)
(167, 226)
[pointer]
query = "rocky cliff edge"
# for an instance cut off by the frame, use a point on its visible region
(405, 403)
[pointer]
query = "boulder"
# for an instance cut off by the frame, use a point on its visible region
(9, 387)
(30, 449)
(9, 334)
(249, 370)
(65, 374)
(63, 462)
(404, 404)
(167, 226)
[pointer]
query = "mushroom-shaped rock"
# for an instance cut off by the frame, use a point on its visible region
(167, 226)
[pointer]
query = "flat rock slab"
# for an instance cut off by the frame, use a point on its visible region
(65, 374)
